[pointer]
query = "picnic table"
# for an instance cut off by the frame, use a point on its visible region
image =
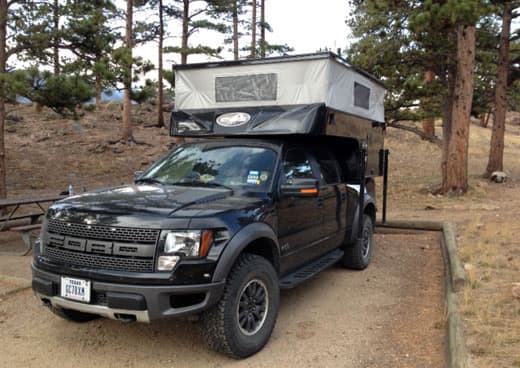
(24, 216)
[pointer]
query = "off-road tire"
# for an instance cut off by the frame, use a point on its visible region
(221, 327)
(72, 315)
(357, 255)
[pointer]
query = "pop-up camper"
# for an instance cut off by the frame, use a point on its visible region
(313, 95)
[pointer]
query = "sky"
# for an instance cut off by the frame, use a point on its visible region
(305, 25)
(308, 25)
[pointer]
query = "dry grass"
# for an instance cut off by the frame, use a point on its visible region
(488, 228)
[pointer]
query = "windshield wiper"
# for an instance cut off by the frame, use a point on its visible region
(199, 183)
(149, 181)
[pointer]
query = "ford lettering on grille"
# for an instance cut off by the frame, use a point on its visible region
(123, 249)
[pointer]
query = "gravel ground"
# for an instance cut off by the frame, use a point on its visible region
(390, 315)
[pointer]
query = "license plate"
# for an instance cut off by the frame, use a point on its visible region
(75, 289)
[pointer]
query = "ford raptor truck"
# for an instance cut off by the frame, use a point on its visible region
(274, 183)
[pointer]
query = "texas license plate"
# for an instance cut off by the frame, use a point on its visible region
(75, 289)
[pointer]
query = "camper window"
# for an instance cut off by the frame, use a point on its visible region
(361, 96)
(254, 87)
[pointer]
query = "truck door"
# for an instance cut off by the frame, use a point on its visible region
(332, 197)
(299, 218)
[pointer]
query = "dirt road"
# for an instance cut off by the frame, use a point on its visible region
(389, 315)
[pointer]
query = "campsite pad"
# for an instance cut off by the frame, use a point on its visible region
(390, 315)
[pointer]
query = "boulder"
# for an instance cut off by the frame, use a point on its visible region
(516, 290)
(499, 177)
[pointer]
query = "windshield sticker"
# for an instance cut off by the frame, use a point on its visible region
(264, 175)
(252, 177)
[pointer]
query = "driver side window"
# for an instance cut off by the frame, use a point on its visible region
(297, 165)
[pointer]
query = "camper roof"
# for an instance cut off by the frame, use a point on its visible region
(322, 78)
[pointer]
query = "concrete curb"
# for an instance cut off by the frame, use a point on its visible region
(454, 276)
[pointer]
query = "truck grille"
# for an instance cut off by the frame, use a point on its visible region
(124, 234)
(100, 247)
(99, 261)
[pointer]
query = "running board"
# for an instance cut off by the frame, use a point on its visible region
(310, 270)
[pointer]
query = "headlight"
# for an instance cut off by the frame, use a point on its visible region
(178, 244)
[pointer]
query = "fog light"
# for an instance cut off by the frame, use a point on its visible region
(167, 263)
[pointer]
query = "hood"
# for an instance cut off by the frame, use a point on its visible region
(129, 200)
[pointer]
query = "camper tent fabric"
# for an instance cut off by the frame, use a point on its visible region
(290, 81)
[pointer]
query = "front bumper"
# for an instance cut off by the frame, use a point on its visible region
(143, 303)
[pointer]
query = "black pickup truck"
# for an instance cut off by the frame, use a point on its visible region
(217, 226)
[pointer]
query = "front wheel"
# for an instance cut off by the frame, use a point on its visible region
(243, 320)
(357, 256)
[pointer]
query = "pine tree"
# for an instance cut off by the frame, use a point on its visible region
(160, 83)
(230, 12)
(236, 15)
(401, 40)
(126, 120)
(88, 34)
(194, 16)
(496, 152)
(12, 24)
(39, 33)
(4, 55)
(252, 55)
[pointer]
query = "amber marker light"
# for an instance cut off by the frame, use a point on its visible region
(309, 190)
(206, 238)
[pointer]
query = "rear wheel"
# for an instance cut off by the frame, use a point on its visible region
(357, 256)
(243, 320)
(72, 315)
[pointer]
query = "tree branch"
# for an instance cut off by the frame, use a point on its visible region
(430, 138)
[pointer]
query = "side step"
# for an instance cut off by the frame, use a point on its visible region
(309, 270)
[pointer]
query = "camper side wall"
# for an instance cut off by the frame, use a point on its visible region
(362, 130)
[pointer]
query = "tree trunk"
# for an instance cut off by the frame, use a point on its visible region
(448, 80)
(235, 29)
(3, 62)
(160, 97)
(496, 151)
(126, 122)
(185, 24)
(428, 124)
(262, 28)
(456, 145)
(55, 46)
(253, 29)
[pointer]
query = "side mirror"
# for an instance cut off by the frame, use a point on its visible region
(137, 174)
(301, 188)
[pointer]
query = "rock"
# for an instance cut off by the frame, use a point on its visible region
(10, 129)
(471, 273)
(76, 126)
(98, 148)
(499, 177)
(515, 120)
(482, 184)
(42, 138)
(118, 149)
(429, 208)
(516, 290)
(14, 118)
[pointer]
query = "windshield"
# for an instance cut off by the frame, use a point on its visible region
(238, 167)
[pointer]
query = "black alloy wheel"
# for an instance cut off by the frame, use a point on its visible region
(357, 255)
(253, 307)
(244, 318)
